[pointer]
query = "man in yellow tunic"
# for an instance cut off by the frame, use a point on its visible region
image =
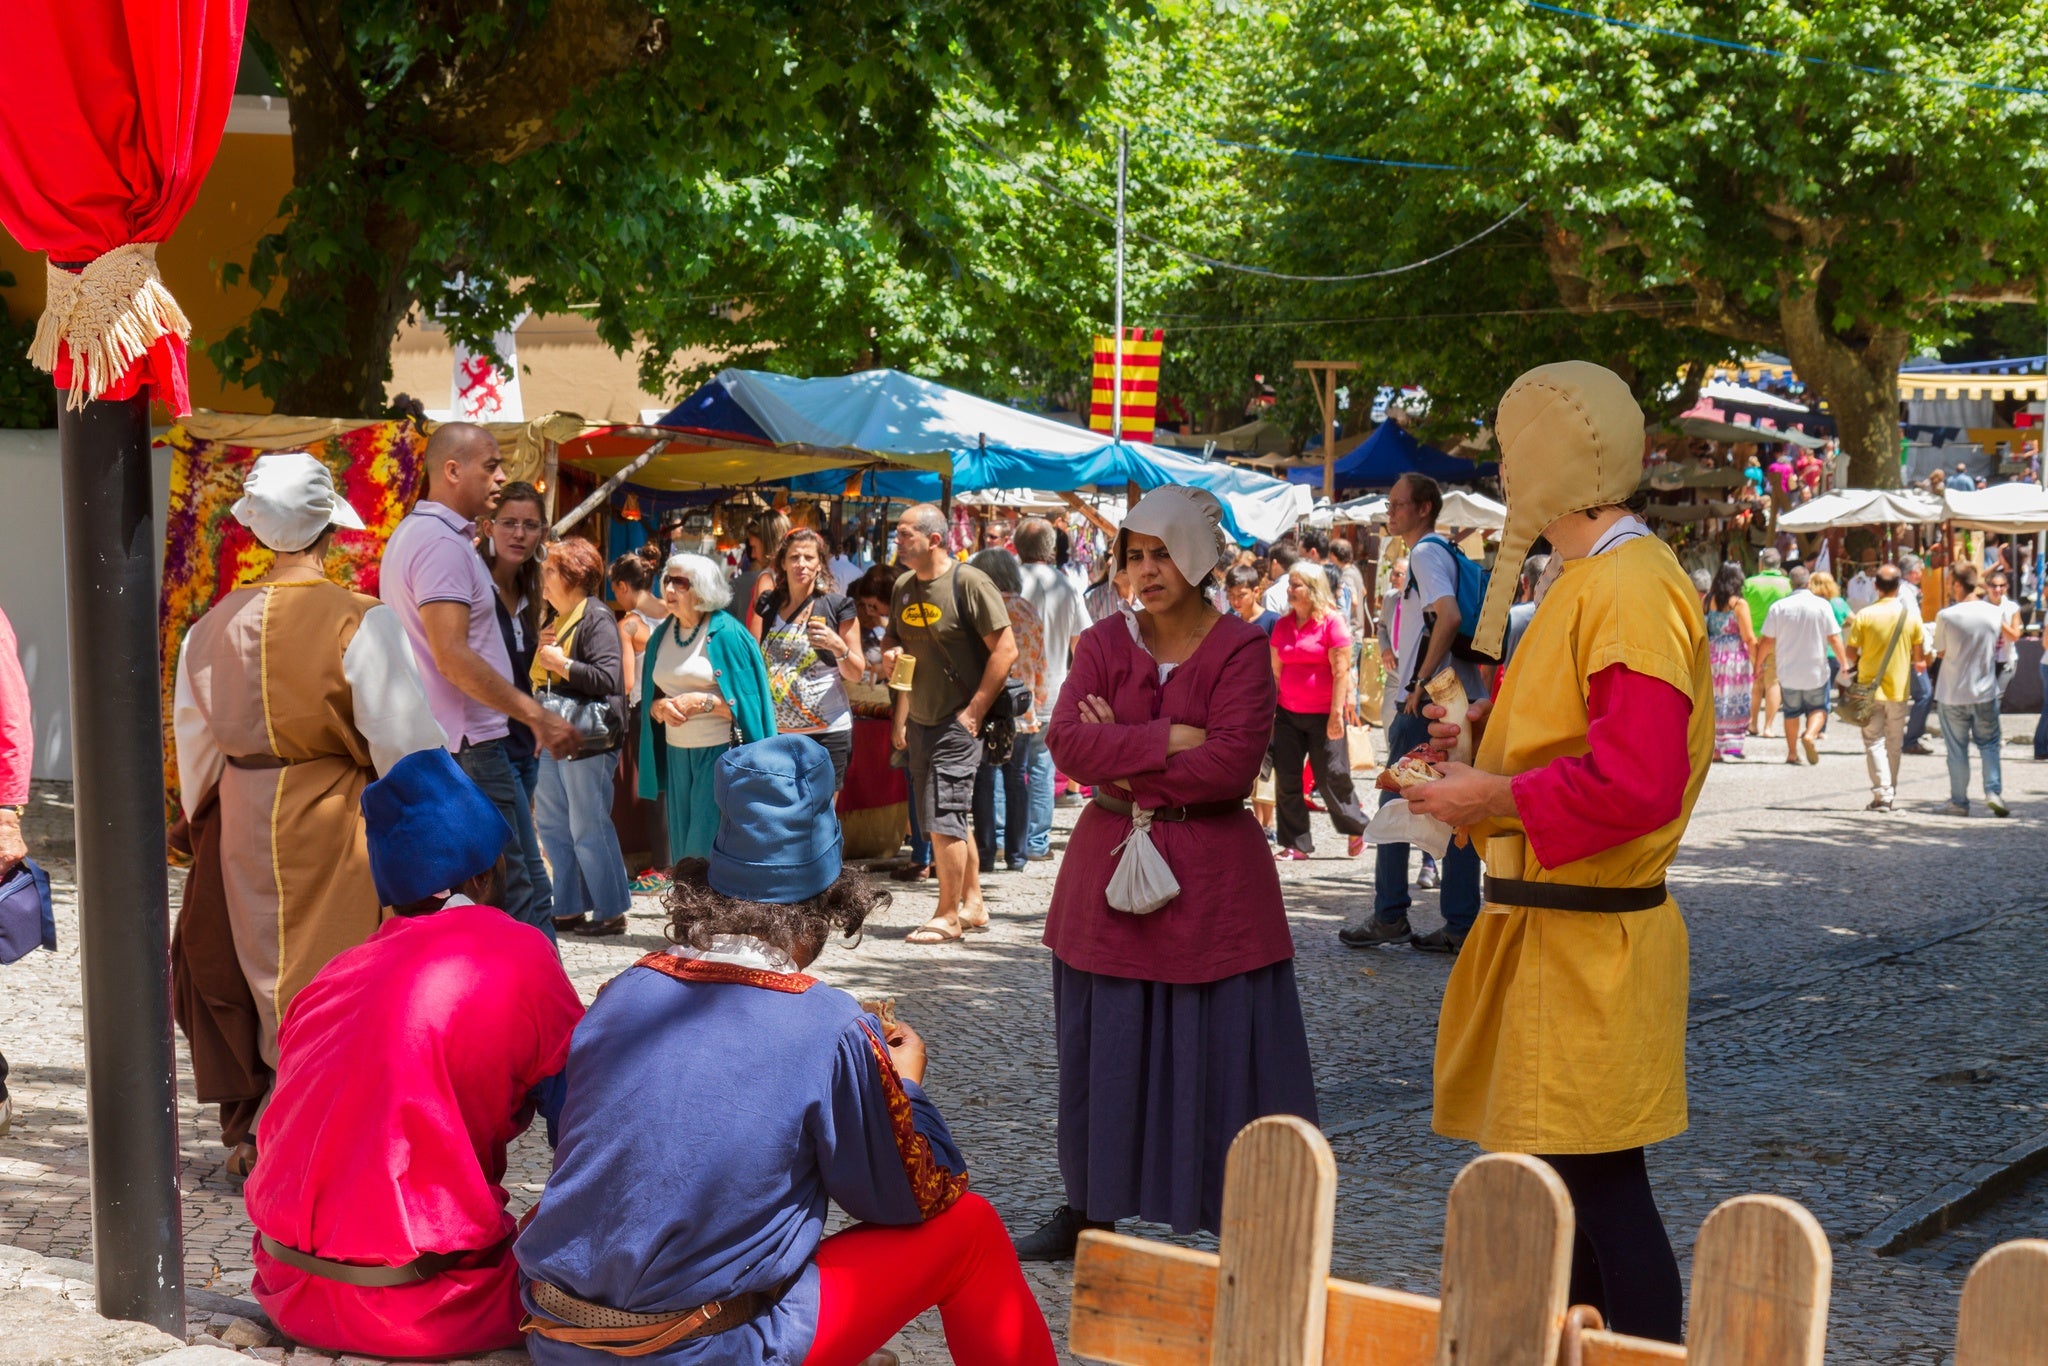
(1562, 1032)
(292, 694)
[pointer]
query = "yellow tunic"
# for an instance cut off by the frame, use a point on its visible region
(1564, 1031)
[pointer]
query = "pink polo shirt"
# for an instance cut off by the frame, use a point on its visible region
(430, 558)
(1306, 679)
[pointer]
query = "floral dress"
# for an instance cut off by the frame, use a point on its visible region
(1729, 659)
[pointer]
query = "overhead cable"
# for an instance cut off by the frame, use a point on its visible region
(1759, 50)
(1214, 263)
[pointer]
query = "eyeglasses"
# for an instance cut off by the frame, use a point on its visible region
(530, 528)
(676, 581)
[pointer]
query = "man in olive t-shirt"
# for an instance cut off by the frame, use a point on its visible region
(950, 619)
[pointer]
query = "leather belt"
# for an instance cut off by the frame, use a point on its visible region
(261, 761)
(624, 1334)
(420, 1268)
(1193, 811)
(1570, 896)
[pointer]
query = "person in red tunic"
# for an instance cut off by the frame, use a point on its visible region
(404, 1068)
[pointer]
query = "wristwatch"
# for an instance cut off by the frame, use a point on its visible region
(20, 810)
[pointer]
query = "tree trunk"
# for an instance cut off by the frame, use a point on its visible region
(1858, 378)
(371, 307)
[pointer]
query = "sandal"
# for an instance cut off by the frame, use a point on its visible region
(565, 923)
(241, 1160)
(936, 931)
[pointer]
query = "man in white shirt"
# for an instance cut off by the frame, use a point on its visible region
(1799, 631)
(847, 565)
(1063, 617)
(2010, 627)
(1283, 557)
(1966, 636)
(1913, 570)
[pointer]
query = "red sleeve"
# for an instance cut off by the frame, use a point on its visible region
(17, 739)
(1114, 752)
(1631, 780)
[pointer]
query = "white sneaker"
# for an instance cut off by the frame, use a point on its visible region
(1954, 809)
(1427, 878)
(6, 1115)
(1997, 805)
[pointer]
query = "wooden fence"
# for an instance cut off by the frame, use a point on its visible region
(1761, 1269)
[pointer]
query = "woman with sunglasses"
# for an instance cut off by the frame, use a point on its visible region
(703, 683)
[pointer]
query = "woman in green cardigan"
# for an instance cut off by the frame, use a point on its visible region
(703, 686)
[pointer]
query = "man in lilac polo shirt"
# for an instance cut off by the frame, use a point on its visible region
(438, 584)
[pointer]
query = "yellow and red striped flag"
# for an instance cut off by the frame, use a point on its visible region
(1141, 382)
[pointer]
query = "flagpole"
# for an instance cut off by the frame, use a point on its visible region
(1116, 393)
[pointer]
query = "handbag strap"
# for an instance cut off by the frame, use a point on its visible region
(1891, 646)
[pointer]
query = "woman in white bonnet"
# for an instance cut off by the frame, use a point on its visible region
(1180, 1024)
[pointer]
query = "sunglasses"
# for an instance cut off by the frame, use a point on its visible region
(676, 581)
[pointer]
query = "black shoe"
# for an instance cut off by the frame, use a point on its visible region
(1438, 941)
(1376, 932)
(1016, 865)
(988, 865)
(1917, 748)
(601, 929)
(565, 923)
(1057, 1237)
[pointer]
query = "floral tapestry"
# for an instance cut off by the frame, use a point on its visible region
(208, 554)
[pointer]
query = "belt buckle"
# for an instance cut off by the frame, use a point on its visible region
(1159, 813)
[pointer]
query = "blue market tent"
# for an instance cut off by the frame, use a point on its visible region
(992, 446)
(1390, 452)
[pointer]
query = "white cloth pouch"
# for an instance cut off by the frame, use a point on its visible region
(1142, 882)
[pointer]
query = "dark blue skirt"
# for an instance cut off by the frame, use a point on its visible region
(1156, 1079)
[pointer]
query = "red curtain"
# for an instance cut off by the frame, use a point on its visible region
(110, 115)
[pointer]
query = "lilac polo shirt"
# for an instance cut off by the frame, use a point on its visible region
(430, 558)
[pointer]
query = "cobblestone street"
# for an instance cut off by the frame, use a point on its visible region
(1866, 1029)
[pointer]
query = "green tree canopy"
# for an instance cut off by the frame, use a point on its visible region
(1790, 203)
(483, 157)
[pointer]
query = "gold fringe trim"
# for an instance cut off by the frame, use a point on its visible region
(109, 314)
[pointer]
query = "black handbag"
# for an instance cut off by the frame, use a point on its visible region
(998, 733)
(599, 729)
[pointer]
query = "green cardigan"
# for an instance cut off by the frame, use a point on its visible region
(742, 680)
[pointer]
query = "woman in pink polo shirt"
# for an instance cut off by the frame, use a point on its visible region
(1312, 662)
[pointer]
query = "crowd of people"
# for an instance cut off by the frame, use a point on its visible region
(1785, 641)
(395, 805)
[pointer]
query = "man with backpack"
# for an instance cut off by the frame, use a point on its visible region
(1439, 578)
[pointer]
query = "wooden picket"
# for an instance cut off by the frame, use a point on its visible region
(1761, 1272)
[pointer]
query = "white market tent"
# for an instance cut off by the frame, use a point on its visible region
(1861, 507)
(2006, 509)
(1463, 509)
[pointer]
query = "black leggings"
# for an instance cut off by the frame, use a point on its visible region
(1622, 1263)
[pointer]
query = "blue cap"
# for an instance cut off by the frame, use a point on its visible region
(778, 838)
(431, 828)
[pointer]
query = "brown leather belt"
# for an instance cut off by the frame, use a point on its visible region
(420, 1268)
(626, 1334)
(1193, 811)
(1570, 896)
(259, 761)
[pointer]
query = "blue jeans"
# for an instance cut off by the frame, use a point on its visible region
(2041, 725)
(1962, 725)
(527, 898)
(920, 847)
(1038, 830)
(1003, 809)
(572, 810)
(1922, 697)
(1460, 864)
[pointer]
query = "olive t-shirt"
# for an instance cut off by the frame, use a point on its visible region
(928, 626)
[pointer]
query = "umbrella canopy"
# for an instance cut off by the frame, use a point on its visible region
(992, 445)
(1475, 510)
(1707, 429)
(2010, 509)
(1861, 507)
(1390, 452)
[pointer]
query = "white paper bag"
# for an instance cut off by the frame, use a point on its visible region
(1398, 823)
(1142, 882)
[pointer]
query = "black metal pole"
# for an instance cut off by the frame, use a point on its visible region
(131, 1080)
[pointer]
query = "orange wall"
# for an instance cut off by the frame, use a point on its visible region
(237, 204)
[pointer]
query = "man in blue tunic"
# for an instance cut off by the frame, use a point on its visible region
(719, 1098)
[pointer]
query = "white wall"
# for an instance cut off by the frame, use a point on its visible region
(32, 583)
